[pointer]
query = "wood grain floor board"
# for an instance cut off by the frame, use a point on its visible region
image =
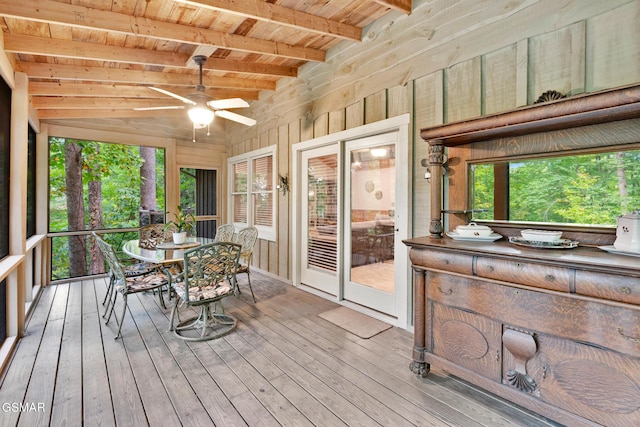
(43, 376)
(283, 365)
(126, 399)
(301, 366)
(68, 383)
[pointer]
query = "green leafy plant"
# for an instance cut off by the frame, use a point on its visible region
(183, 221)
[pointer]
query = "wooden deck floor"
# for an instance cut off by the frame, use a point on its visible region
(283, 365)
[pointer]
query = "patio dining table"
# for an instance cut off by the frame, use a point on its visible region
(164, 254)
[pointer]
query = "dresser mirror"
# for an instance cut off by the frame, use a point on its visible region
(584, 189)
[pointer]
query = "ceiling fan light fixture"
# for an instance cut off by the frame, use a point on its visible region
(200, 116)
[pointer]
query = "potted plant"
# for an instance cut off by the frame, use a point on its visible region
(183, 223)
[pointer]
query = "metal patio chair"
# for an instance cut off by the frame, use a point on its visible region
(247, 238)
(124, 285)
(225, 232)
(208, 276)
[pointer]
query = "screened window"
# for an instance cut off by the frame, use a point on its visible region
(5, 154)
(31, 183)
(98, 186)
(251, 185)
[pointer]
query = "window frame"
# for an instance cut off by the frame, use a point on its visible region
(264, 232)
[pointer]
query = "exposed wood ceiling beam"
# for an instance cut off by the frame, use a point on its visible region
(403, 6)
(47, 46)
(269, 12)
(114, 75)
(120, 91)
(107, 113)
(94, 19)
(75, 103)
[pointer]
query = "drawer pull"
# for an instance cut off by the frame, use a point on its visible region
(447, 292)
(549, 278)
(489, 268)
(625, 290)
(445, 261)
(626, 337)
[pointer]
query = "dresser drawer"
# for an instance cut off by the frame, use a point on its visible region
(538, 275)
(442, 260)
(608, 286)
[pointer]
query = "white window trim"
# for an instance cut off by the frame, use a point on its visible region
(264, 232)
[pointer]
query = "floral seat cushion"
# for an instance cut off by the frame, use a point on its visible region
(206, 290)
(144, 283)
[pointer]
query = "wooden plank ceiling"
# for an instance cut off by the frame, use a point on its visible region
(91, 62)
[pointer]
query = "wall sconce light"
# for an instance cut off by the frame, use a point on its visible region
(425, 163)
(283, 184)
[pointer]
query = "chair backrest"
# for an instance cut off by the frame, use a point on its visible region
(150, 236)
(225, 232)
(115, 268)
(208, 265)
(247, 238)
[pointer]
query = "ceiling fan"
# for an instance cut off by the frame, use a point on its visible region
(202, 108)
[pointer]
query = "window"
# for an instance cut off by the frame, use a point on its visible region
(5, 154)
(31, 182)
(97, 185)
(199, 195)
(585, 189)
(251, 190)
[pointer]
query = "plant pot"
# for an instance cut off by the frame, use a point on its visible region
(179, 238)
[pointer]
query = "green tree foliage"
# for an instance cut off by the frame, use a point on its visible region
(589, 189)
(118, 168)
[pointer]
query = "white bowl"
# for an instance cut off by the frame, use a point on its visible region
(541, 235)
(473, 230)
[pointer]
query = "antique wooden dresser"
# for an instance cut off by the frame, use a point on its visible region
(554, 330)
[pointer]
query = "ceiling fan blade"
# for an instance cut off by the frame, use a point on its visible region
(168, 107)
(221, 104)
(176, 96)
(236, 117)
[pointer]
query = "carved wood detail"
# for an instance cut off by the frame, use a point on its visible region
(523, 347)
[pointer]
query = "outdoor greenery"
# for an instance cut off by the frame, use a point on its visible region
(592, 189)
(117, 169)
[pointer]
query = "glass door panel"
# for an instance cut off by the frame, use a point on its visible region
(320, 219)
(371, 186)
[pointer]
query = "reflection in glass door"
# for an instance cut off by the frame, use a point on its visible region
(370, 232)
(320, 219)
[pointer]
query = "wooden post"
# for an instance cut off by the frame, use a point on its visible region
(436, 158)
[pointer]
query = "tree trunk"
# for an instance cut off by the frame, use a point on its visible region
(148, 179)
(96, 260)
(75, 209)
(622, 183)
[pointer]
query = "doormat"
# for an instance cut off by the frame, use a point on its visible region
(357, 323)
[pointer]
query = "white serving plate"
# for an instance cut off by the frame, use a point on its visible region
(612, 249)
(559, 244)
(473, 230)
(490, 238)
(541, 235)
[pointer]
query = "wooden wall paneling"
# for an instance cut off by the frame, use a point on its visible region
(283, 253)
(272, 139)
(306, 129)
(263, 254)
(428, 95)
(499, 72)
(522, 72)
(463, 90)
(375, 107)
(321, 125)
(557, 62)
(354, 115)
(255, 143)
(399, 100)
(613, 48)
(337, 121)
